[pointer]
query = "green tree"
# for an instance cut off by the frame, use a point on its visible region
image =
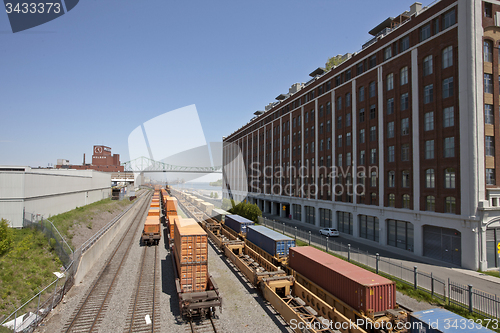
(6, 236)
(333, 61)
(216, 195)
(211, 194)
(247, 210)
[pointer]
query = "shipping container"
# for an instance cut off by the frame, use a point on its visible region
(192, 278)
(443, 321)
(361, 289)
(152, 225)
(207, 208)
(155, 204)
(198, 202)
(190, 241)
(237, 223)
(219, 214)
(151, 232)
(154, 211)
(171, 205)
(171, 223)
(272, 242)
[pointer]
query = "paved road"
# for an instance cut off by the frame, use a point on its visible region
(438, 268)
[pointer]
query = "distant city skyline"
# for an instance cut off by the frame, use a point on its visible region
(93, 75)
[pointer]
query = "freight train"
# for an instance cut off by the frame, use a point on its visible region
(151, 233)
(309, 288)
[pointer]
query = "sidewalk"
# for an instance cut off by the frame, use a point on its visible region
(439, 269)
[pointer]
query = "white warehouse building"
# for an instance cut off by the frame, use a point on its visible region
(48, 191)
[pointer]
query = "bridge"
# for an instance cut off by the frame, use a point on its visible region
(145, 164)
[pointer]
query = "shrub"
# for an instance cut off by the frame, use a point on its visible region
(6, 237)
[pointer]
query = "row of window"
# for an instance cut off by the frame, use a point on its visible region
(448, 19)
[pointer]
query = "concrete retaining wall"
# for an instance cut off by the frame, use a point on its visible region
(102, 245)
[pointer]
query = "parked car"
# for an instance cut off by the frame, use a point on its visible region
(329, 232)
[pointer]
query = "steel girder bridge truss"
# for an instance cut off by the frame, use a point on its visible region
(145, 164)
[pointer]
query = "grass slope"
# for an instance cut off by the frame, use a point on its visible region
(84, 215)
(25, 269)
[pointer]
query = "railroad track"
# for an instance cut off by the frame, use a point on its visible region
(144, 315)
(90, 312)
(202, 326)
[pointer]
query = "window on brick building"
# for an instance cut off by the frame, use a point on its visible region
(428, 65)
(390, 154)
(449, 178)
(430, 178)
(430, 203)
(450, 205)
(449, 147)
(448, 87)
(448, 57)
(449, 117)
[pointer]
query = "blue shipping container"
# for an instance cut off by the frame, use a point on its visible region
(442, 321)
(237, 223)
(272, 242)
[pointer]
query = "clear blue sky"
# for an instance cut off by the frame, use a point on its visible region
(99, 71)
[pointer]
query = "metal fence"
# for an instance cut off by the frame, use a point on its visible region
(54, 237)
(27, 317)
(474, 300)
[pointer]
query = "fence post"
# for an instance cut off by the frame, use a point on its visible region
(309, 237)
(54, 296)
(348, 252)
(470, 298)
(432, 285)
(449, 291)
(295, 233)
(274, 222)
(415, 273)
(376, 262)
(326, 244)
(283, 228)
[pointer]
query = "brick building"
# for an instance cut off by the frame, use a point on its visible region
(102, 160)
(396, 145)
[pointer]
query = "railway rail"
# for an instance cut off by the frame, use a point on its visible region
(90, 312)
(144, 315)
(202, 326)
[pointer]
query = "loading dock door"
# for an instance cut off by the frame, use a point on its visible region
(443, 244)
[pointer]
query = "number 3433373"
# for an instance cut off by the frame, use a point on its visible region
(33, 8)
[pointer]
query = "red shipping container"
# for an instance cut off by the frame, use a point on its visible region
(361, 289)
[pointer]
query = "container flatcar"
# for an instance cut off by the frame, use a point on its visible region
(151, 233)
(361, 289)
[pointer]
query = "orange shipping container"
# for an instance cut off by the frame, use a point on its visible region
(154, 211)
(152, 225)
(191, 244)
(154, 204)
(193, 278)
(171, 205)
(171, 223)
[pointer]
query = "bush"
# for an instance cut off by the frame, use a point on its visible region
(52, 244)
(247, 210)
(6, 237)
